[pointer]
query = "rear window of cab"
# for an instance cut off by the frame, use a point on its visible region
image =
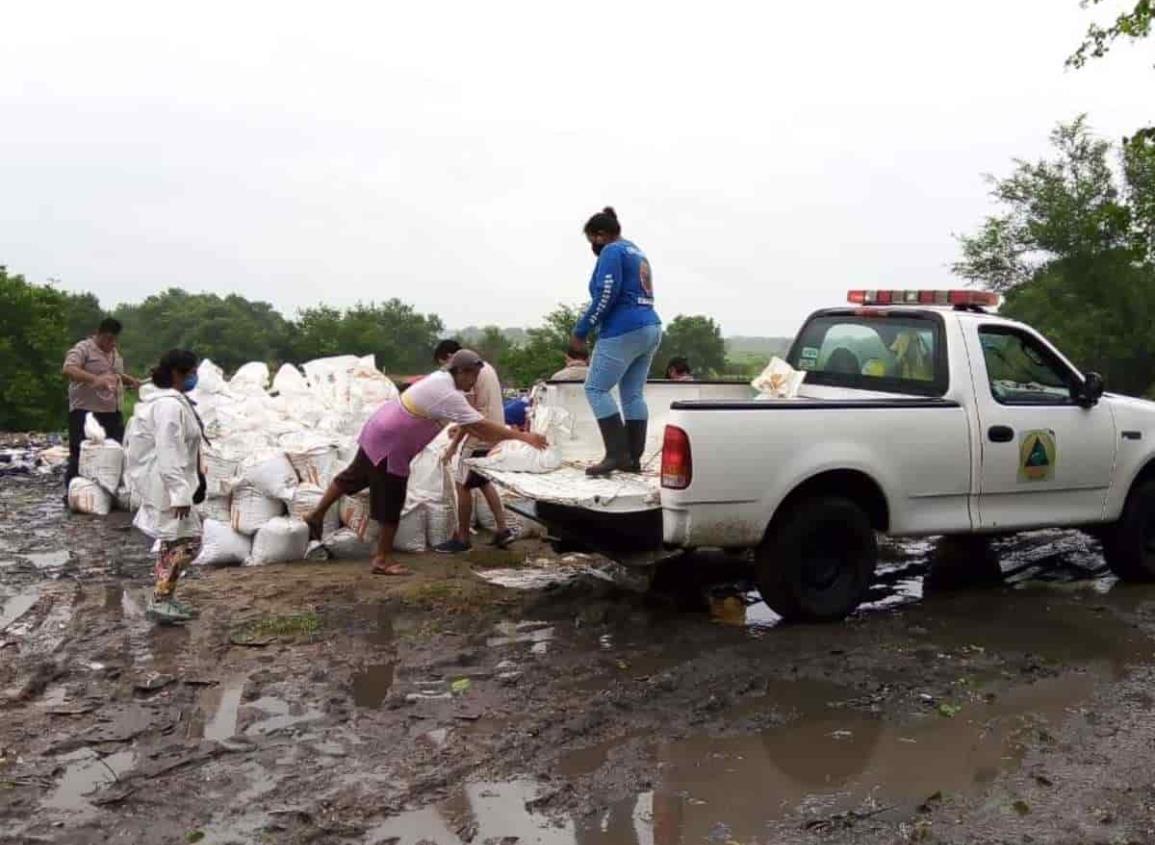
(880, 351)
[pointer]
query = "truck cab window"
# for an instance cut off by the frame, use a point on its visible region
(890, 354)
(1021, 371)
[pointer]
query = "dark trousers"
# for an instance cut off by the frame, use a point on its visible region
(113, 423)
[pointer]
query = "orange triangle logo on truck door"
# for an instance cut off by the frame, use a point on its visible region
(1037, 456)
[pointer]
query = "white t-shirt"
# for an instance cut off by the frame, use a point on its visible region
(436, 397)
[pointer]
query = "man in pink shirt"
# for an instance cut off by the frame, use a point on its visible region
(395, 434)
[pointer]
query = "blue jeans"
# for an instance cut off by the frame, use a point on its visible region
(624, 362)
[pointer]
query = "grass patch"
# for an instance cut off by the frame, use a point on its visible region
(274, 627)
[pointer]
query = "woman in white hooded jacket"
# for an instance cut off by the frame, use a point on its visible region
(164, 443)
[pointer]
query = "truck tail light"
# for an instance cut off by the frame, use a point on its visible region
(677, 460)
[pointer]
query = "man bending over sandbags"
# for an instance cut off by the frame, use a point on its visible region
(395, 434)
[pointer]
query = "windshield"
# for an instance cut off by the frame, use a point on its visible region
(890, 354)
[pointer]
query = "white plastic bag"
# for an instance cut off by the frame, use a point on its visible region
(315, 465)
(355, 516)
(440, 525)
(515, 456)
(216, 507)
(86, 496)
(778, 381)
(252, 378)
(250, 508)
(221, 472)
(274, 476)
(289, 381)
(102, 462)
(278, 540)
(93, 431)
(221, 545)
(305, 501)
(344, 544)
(411, 531)
(210, 377)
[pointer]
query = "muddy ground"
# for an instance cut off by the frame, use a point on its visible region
(318, 703)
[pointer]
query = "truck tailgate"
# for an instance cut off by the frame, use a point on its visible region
(570, 486)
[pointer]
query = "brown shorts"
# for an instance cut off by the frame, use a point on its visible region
(386, 491)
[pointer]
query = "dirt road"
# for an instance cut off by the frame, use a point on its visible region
(317, 703)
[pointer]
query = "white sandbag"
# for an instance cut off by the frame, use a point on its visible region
(344, 544)
(280, 539)
(515, 456)
(316, 465)
(411, 531)
(221, 545)
(369, 388)
(93, 431)
(210, 377)
(102, 462)
(273, 475)
(289, 380)
(305, 501)
(252, 378)
(441, 522)
(482, 516)
(86, 496)
(355, 516)
(557, 424)
(221, 472)
(216, 507)
(346, 452)
(778, 381)
(250, 508)
(427, 482)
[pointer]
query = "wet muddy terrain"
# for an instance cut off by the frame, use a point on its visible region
(316, 703)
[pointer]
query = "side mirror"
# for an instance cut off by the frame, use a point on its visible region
(1090, 391)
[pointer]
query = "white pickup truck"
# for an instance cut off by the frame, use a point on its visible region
(920, 414)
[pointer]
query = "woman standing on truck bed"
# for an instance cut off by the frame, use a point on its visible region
(629, 331)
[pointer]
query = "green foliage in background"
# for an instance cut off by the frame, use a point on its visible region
(1073, 250)
(696, 338)
(1132, 25)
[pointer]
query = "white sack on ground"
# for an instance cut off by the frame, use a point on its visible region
(344, 544)
(427, 481)
(86, 496)
(289, 380)
(251, 508)
(411, 531)
(515, 456)
(210, 377)
(93, 431)
(252, 378)
(315, 465)
(102, 462)
(355, 516)
(221, 472)
(305, 501)
(778, 381)
(216, 507)
(441, 522)
(274, 476)
(221, 545)
(278, 540)
(482, 516)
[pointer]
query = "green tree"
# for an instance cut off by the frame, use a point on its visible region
(543, 352)
(33, 341)
(492, 345)
(1073, 250)
(698, 339)
(1133, 25)
(82, 314)
(400, 338)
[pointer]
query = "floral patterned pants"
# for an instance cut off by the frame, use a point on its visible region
(173, 557)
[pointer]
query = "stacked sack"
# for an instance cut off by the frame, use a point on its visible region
(99, 486)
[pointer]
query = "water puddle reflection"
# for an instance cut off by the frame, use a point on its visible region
(372, 685)
(84, 773)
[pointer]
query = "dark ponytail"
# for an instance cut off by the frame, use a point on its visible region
(605, 222)
(175, 360)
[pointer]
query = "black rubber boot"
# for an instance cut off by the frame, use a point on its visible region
(617, 448)
(636, 436)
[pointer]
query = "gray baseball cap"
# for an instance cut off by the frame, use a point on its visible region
(465, 359)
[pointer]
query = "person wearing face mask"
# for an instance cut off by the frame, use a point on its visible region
(96, 382)
(629, 332)
(163, 457)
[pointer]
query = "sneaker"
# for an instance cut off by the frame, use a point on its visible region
(452, 547)
(166, 612)
(504, 539)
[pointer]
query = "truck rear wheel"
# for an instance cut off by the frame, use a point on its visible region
(1129, 545)
(817, 560)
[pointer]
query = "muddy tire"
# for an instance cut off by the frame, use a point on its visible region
(1129, 545)
(817, 560)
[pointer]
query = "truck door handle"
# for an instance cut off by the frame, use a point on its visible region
(1001, 433)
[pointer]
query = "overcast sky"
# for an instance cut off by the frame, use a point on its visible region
(766, 156)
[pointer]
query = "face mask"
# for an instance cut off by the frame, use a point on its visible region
(190, 383)
(597, 248)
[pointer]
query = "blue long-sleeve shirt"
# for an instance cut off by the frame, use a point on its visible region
(622, 293)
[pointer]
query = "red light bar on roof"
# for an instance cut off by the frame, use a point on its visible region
(980, 298)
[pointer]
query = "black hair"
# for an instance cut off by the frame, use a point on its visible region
(679, 365)
(109, 325)
(172, 361)
(605, 222)
(578, 353)
(445, 349)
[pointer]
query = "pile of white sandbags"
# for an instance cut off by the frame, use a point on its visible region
(99, 487)
(277, 443)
